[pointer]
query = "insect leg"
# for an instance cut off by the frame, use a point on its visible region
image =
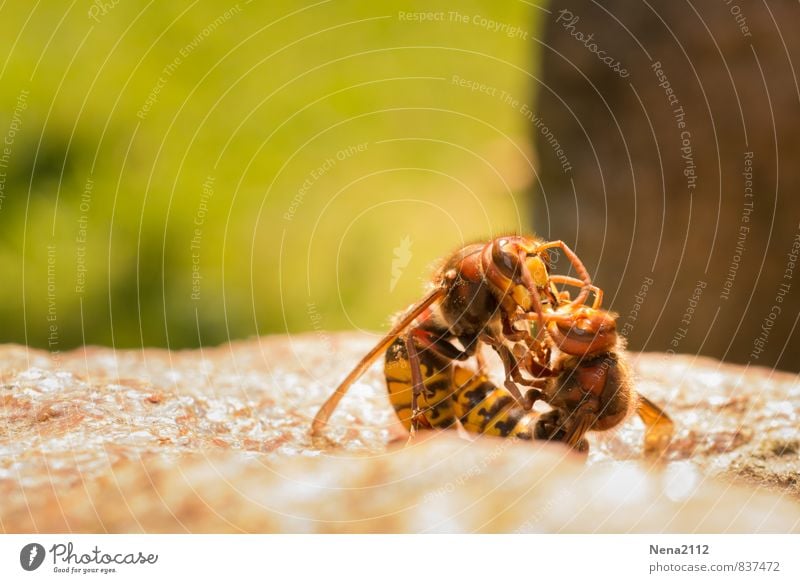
(513, 374)
(580, 268)
(533, 365)
(481, 360)
(416, 382)
(581, 423)
(598, 293)
(324, 413)
(552, 426)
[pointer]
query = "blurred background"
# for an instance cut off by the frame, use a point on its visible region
(190, 172)
(186, 173)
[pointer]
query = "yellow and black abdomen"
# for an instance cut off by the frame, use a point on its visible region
(436, 402)
(484, 408)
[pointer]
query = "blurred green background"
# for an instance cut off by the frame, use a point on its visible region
(182, 173)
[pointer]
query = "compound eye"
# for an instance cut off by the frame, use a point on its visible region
(587, 335)
(580, 334)
(577, 332)
(505, 258)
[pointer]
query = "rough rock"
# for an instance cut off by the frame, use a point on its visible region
(216, 440)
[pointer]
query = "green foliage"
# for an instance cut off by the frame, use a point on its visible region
(296, 145)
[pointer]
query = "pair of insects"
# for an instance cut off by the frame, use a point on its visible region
(559, 349)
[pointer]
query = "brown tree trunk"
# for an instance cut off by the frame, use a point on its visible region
(680, 126)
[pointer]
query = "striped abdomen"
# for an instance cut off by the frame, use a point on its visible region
(483, 407)
(436, 403)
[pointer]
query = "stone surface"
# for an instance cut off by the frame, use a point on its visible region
(216, 440)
